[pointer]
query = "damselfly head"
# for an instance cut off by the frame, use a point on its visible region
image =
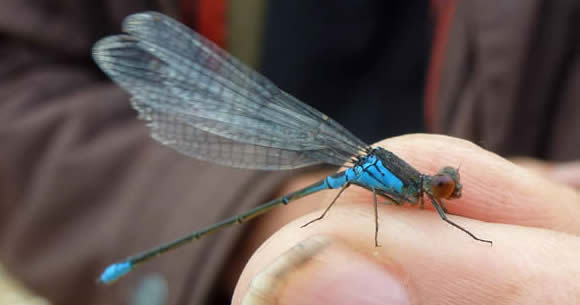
(445, 184)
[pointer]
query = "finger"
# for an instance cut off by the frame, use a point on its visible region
(494, 189)
(562, 172)
(567, 172)
(421, 261)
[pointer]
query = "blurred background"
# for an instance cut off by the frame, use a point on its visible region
(82, 185)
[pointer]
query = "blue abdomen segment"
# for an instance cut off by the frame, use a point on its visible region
(115, 271)
(340, 179)
(335, 181)
(374, 175)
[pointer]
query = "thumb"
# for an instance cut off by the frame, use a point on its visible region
(319, 270)
(420, 261)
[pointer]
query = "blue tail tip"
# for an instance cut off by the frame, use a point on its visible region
(115, 271)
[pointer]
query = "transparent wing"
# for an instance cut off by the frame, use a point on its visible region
(202, 102)
(176, 131)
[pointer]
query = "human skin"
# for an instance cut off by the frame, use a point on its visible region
(534, 224)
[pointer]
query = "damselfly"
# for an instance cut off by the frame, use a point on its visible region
(204, 103)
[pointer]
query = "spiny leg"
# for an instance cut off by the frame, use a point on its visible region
(437, 206)
(376, 218)
(329, 206)
(422, 193)
(422, 205)
(391, 199)
(443, 207)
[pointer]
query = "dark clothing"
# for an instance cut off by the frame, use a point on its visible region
(82, 184)
(510, 77)
(363, 63)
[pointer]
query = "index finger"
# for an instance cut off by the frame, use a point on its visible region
(494, 189)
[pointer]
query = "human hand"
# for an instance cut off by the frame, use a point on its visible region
(533, 222)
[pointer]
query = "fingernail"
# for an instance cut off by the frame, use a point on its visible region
(338, 275)
(355, 281)
(567, 173)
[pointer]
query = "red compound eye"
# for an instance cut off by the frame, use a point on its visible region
(442, 186)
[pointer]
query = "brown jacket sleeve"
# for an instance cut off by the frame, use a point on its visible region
(509, 77)
(81, 183)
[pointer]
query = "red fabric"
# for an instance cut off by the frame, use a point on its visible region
(208, 17)
(443, 10)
